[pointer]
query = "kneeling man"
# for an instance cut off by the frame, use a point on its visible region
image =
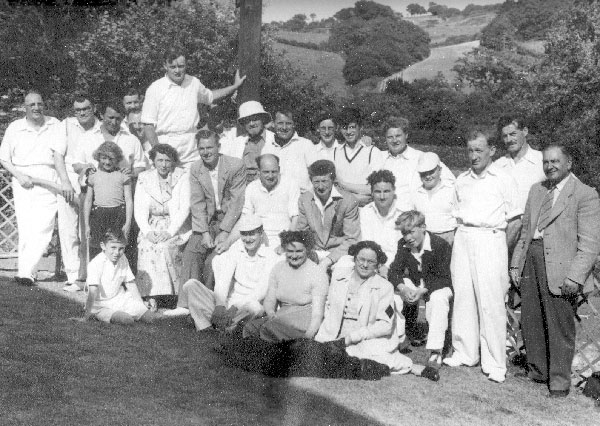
(241, 282)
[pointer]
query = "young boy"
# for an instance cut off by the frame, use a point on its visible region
(113, 295)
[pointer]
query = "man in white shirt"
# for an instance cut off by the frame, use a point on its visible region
(241, 283)
(402, 159)
(521, 161)
(26, 154)
(326, 127)
(110, 130)
(354, 160)
(378, 218)
(488, 214)
(435, 198)
(72, 244)
(295, 153)
(170, 110)
(273, 199)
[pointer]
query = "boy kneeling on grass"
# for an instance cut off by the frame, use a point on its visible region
(113, 295)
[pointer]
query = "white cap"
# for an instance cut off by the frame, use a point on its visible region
(250, 108)
(428, 162)
(250, 223)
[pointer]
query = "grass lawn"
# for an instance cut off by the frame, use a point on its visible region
(312, 37)
(440, 29)
(57, 372)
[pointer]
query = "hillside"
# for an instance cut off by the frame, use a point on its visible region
(440, 30)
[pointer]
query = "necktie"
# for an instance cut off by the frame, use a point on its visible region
(545, 210)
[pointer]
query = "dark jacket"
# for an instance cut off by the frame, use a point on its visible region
(435, 269)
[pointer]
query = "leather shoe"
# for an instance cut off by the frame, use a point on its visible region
(557, 393)
(524, 375)
(27, 282)
(431, 374)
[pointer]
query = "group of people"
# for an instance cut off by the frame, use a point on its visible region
(282, 238)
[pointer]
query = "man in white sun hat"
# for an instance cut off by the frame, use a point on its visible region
(241, 282)
(253, 118)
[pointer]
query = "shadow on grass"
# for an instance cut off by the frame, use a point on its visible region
(55, 371)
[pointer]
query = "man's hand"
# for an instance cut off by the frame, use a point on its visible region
(25, 181)
(310, 334)
(569, 287)
(125, 230)
(67, 191)
(417, 294)
(515, 278)
(238, 80)
(221, 242)
(207, 240)
(126, 171)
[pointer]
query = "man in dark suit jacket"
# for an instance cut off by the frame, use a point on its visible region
(421, 270)
(331, 215)
(552, 263)
(217, 185)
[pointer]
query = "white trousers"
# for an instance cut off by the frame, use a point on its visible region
(68, 232)
(35, 210)
(479, 270)
(201, 302)
(437, 309)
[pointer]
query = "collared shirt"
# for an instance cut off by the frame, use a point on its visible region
(557, 190)
(89, 142)
(489, 200)
(325, 153)
(276, 208)
(381, 229)
(437, 205)
(67, 144)
(23, 145)
(527, 171)
(418, 254)
(404, 168)
(172, 107)
(294, 158)
(334, 194)
(214, 179)
(354, 165)
(107, 276)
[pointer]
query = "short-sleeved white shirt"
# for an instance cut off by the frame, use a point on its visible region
(489, 200)
(324, 153)
(437, 206)
(71, 132)
(172, 107)
(23, 146)
(108, 277)
(294, 158)
(526, 172)
(381, 229)
(89, 142)
(355, 165)
(275, 208)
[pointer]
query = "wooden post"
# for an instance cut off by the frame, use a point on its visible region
(249, 49)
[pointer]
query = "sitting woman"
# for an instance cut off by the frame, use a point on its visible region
(360, 310)
(298, 287)
(161, 210)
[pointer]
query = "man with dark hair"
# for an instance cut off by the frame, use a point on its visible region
(170, 111)
(295, 153)
(26, 154)
(354, 160)
(330, 215)
(326, 127)
(552, 264)
(488, 214)
(132, 99)
(521, 161)
(217, 184)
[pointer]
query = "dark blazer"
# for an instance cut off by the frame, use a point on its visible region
(340, 227)
(435, 268)
(232, 185)
(571, 240)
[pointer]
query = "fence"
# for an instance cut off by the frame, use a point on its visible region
(8, 221)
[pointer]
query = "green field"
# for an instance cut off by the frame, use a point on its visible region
(440, 29)
(313, 37)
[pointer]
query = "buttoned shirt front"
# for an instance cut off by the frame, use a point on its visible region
(526, 171)
(276, 207)
(324, 152)
(89, 142)
(71, 133)
(294, 158)
(214, 180)
(489, 200)
(24, 146)
(108, 277)
(334, 194)
(418, 254)
(381, 229)
(437, 205)
(557, 189)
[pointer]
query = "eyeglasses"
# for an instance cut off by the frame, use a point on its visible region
(363, 261)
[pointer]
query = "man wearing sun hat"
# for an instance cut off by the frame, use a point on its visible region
(435, 197)
(241, 282)
(253, 118)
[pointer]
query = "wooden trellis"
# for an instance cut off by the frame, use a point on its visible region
(8, 220)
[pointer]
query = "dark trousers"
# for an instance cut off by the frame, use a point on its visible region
(548, 324)
(101, 220)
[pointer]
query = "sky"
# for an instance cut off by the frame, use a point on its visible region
(282, 10)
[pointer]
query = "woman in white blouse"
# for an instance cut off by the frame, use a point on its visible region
(162, 212)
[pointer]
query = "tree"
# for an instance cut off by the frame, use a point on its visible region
(296, 23)
(416, 9)
(313, 16)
